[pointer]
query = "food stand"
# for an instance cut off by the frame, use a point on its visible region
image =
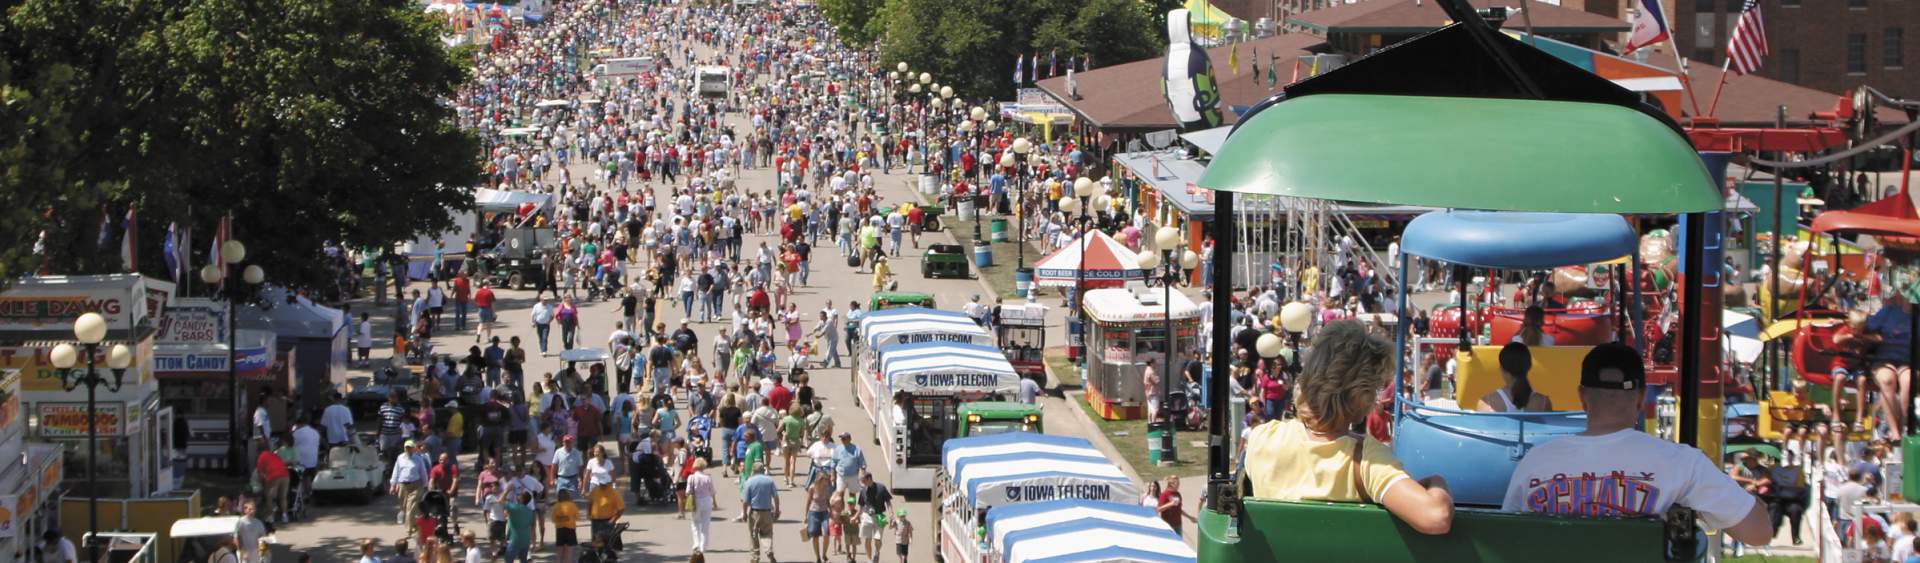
(29, 475)
(135, 430)
(1128, 330)
(190, 361)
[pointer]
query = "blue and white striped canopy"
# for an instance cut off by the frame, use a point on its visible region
(1095, 540)
(951, 372)
(1008, 519)
(910, 329)
(895, 351)
(1029, 477)
(898, 314)
(955, 453)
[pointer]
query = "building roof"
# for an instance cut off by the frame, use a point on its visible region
(1117, 97)
(1421, 15)
(1750, 100)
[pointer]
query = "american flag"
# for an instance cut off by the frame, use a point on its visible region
(1749, 40)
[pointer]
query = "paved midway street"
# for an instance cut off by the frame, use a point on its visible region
(655, 534)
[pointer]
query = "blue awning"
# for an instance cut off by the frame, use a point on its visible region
(1516, 240)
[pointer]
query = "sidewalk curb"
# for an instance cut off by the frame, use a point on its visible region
(1100, 440)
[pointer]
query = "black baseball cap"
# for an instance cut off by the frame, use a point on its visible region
(1613, 366)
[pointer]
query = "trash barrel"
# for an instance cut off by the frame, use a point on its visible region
(1153, 442)
(929, 184)
(998, 228)
(982, 254)
(966, 209)
(1023, 282)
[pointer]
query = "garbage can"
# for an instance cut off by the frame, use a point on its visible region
(966, 209)
(1023, 281)
(1154, 429)
(998, 227)
(982, 254)
(929, 184)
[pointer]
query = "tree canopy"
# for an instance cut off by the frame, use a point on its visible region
(309, 121)
(972, 44)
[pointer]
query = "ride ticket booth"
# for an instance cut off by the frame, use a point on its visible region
(1128, 330)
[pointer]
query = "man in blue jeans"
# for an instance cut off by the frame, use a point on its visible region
(543, 321)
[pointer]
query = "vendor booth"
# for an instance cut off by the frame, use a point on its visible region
(1128, 330)
(312, 338)
(190, 359)
(1021, 331)
(29, 476)
(132, 453)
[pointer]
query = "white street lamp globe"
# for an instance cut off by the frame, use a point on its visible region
(914, 89)
(253, 274)
(1269, 345)
(926, 78)
(1082, 186)
(1148, 259)
(966, 126)
(1295, 316)
(1069, 204)
(1189, 260)
(902, 66)
(233, 252)
(946, 91)
(893, 75)
(1022, 145)
(1006, 160)
(991, 125)
(936, 103)
(119, 357)
(210, 274)
(1102, 202)
(1167, 238)
(90, 328)
(64, 355)
(977, 113)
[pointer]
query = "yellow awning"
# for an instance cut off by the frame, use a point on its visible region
(1206, 20)
(1790, 326)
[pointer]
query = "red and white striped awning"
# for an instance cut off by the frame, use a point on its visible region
(1108, 263)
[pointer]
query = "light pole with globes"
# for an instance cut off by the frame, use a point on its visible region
(1173, 263)
(231, 254)
(90, 330)
(1084, 200)
(1018, 162)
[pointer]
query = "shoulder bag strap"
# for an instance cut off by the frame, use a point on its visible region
(1359, 484)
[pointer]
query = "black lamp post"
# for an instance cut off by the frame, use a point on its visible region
(1085, 201)
(231, 254)
(90, 330)
(1016, 164)
(1172, 264)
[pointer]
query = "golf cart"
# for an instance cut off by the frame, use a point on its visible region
(890, 299)
(944, 261)
(195, 539)
(516, 260)
(353, 470)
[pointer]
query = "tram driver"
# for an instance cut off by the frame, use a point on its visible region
(1614, 470)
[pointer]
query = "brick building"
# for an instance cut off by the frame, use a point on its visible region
(1830, 45)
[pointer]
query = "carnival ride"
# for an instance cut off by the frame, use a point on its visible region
(1463, 85)
(1476, 451)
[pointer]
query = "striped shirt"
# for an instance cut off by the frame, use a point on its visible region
(390, 417)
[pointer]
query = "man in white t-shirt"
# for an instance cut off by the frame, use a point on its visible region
(1614, 470)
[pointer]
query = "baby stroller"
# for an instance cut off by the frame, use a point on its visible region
(606, 545)
(1186, 415)
(436, 506)
(697, 430)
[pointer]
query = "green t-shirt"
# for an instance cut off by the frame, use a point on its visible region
(519, 524)
(754, 454)
(793, 429)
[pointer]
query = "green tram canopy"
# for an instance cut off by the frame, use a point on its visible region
(1468, 153)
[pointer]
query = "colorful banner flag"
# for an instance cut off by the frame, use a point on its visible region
(130, 243)
(1233, 59)
(1017, 72)
(170, 249)
(1649, 27)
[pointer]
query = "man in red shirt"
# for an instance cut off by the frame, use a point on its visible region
(272, 473)
(916, 218)
(462, 291)
(779, 397)
(1170, 504)
(484, 300)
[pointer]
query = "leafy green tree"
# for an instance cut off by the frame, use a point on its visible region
(309, 121)
(971, 44)
(857, 21)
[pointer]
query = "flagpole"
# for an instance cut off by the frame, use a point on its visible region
(1686, 74)
(1715, 103)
